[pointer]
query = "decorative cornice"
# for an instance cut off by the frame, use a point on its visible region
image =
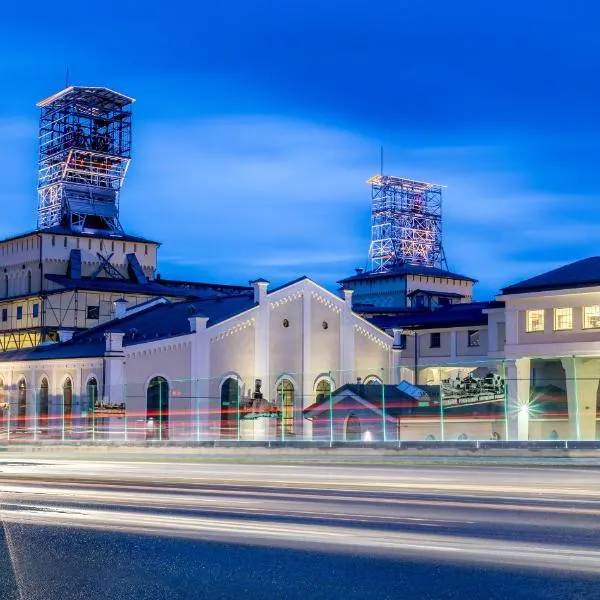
(372, 337)
(234, 329)
(326, 302)
(286, 300)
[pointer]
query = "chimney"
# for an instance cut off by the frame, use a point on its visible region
(198, 322)
(260, 290)
(120, 307)
(348, 296)
(64, 335)
(114, 342)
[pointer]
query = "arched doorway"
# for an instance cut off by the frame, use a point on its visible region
(285, 399)
(43, 409)
(21, 404)
(323, 390)
(90, 406)
(229, 407)
(353, 429)
(157, 409)
(67, 407)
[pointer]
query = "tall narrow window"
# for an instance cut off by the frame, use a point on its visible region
(435, 340)
(6, 286)
(21, 404)
(229, 407)
(67, 404)
(29, 282)
(285, 397)
(563, 319)
(92, 400)
(43, 405)
(591, 317)
(157, 409)
(535, 320)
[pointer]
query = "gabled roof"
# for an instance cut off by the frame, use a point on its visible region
(407, 269)
(579, 274)
(395, 399)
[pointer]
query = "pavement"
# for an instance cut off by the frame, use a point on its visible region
(75, 528)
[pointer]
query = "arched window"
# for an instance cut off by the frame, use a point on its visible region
(554, 435)
(21, 404)
(157, 409)
(92, 393)
(44, 405)
(91, 401)
(67, 404)
(462, 437)
(285, 399)
(353, 429)
(323, 390)
(29, 282)
(372, 380)
(430, 437)
(229, 407)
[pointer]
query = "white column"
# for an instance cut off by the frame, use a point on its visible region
(453, 345)
(261, 334)
(396, 358)
(347, 364)
(581, 376)
(114, 380)
(307, 373)
(200, 374)
(518, 377)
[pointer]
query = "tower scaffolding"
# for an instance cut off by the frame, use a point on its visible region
(84, 153)
(406, 223)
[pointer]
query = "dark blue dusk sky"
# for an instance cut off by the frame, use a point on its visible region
(258, 123)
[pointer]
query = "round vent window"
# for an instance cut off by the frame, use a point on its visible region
(325, 325)
(286, 323)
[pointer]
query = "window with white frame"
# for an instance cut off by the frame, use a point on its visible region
(591, 317)
(563, 318)
(535, 320)
(473, 337)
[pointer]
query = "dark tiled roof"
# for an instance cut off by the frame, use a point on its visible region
(406, 269)
(582, 273)
(106, 235)
(453, 315)
(436, 293)
(168, 319)
(128, 286)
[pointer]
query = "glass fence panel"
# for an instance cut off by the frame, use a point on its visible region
(547, 399)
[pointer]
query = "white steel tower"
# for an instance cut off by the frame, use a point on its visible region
(406, 223)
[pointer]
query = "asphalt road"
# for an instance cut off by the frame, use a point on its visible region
(83, 529)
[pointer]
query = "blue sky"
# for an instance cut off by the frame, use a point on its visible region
(257, 125)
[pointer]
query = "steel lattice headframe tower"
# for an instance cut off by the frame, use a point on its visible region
(85, 149)
(406, 223)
